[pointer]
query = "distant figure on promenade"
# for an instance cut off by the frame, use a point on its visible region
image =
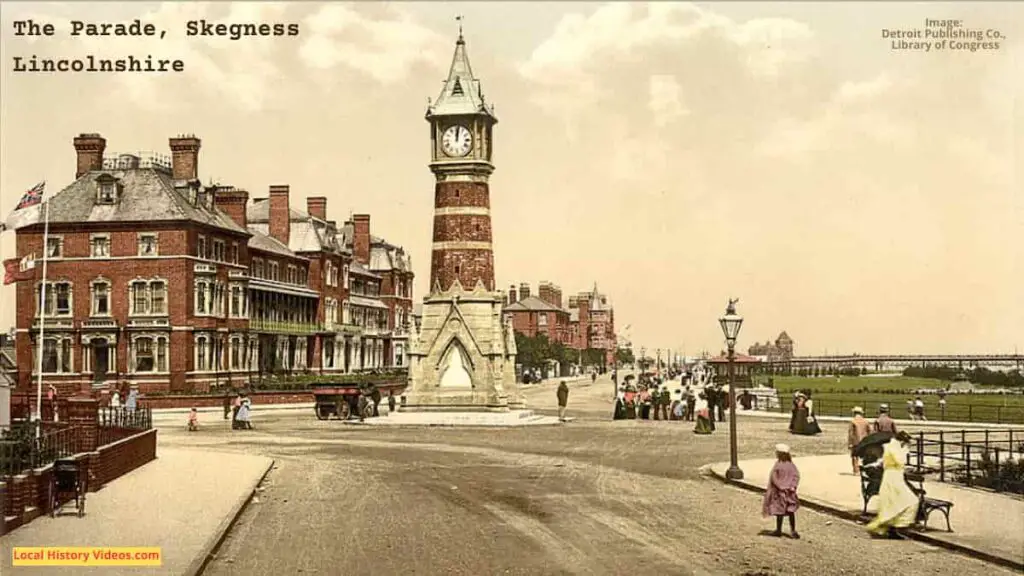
(691, 403)
(227, 406)
(884, 422)
(630, 400)
(244, 416)
(942, 404)
(859, 429)
(910, 410)
(805, 423)
(897, 503)
(919, 408)
(236, 405)
(593, 377)
(391, 402)
(746, 400)
(678, 407)
(666, 401)
(620, 405)
(133, 401)
(193, 420)
(704, 423)
(645, 404)
(792, 416)
(780, 498)
(563, 399)
(115, 401)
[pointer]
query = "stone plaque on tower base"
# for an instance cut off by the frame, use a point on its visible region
(462, 359)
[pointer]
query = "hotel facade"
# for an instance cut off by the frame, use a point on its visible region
(159, 281)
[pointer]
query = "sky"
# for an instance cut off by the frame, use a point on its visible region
(861, 198)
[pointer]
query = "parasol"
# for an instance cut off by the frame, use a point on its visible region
(873, 444)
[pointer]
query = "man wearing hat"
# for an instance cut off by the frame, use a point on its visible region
(859, 429)
(884, 423)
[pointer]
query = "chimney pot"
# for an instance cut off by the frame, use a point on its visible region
(280, 224)
(232, 202)
(317, 207)
(361, 238)
(185, 157)
(512, 294)
(89, 149)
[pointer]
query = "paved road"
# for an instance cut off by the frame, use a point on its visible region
(590, 497)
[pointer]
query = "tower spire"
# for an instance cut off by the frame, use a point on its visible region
(459, 20)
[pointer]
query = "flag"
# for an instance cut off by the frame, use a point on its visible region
(12, 269)
(15, 269)
(31, 198)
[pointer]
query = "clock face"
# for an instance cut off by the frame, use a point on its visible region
(457, 141)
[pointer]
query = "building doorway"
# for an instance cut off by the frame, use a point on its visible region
(100, 359)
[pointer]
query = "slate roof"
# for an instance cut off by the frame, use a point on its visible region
(145, 195)
(307, 234)
(357, 267)
(532, 304)
(461, 93)
(267, 243)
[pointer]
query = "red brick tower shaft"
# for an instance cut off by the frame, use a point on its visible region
(462, 236)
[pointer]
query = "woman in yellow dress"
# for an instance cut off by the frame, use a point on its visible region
(897, 503)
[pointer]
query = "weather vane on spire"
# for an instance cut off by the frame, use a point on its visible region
(459, 20)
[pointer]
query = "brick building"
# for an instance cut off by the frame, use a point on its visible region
(160, 281)
(540, 314)
(781, 350)
(592, 323)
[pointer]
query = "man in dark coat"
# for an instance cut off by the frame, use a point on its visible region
(563, 399)
(666, 400)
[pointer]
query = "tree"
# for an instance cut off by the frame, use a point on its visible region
(624, 356)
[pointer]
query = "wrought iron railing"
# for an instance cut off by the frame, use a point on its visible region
(283, 327)
(21, 450)
(996, 414)
(991, 459)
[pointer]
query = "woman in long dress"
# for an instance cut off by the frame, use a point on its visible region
(897, 503)
(244, 421)
(620, 405)
(812, 417)
(703, 416)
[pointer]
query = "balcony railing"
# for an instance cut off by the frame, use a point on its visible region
(277, 327)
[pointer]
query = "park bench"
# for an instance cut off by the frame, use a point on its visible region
(928, 505)
(871, 481)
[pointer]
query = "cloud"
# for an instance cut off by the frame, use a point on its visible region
(385, 49)
(665, 99)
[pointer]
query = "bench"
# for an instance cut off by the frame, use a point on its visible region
(871, 481)
(927, 505)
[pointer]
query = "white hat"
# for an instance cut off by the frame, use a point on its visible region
(858, 410)
(782, 448)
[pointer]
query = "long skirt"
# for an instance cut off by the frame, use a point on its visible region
(620, 410)
(897, 503)
(704, 425)
(645, 412)
(630, 410)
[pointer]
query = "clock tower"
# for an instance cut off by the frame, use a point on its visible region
(463, 358)
(461, 127)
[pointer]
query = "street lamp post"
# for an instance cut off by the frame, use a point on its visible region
(731, 323)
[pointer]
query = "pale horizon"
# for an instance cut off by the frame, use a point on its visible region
(862, 199)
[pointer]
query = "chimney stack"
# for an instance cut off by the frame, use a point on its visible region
(361, 238)
(280, 214)
(185, 157)
(512, 294)
(317, 207)
(524, 291)
(89, 149)
(233, 202)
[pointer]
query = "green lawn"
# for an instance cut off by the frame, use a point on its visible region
(837, 397)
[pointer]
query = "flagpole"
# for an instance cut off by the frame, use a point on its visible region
(42, 322)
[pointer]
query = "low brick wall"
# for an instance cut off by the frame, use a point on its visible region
(204, 401)
(26, 496)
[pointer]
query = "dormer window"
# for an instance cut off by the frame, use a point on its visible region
(106, 190)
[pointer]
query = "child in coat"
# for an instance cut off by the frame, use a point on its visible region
(193, 420)
(780, 499)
